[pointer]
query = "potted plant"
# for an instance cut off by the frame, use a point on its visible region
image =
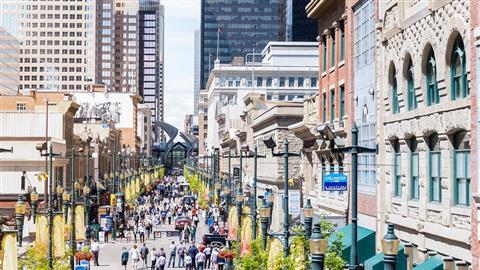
(83, 255)
(228, 255)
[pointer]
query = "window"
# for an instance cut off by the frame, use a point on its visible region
(412, 98)
(269, 82)
(364, 34)
(342, 102)
(332, 105)
(342, 42)
(434, 168)
(458, 71)
(300, 82)
(313, 82)
(259, 81)
(431, 80)
(414, 169)
(282, 82)
(324, 45)
(324, 114)
(291, 81)
(461, 169)
(367, 161)
(397, 169)
(332, 49)
(395, 103)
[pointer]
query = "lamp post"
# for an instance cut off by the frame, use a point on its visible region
(66, 196)
(20, 209)
(59, 197)
(308, 218)
(270, 143)
(265, 213)
(239, 200)
(34, 201)
(390, 247)
(75, 186)
(318, 248)
(86, 195)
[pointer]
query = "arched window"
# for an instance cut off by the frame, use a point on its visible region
(414, 168)
(431, 79)
(411, 97)
(397, 168)
(393, 84)
(458, 71)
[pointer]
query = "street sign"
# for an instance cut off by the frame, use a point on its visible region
(294, 202)
(335, 182)
(236, 173)
(113, 199)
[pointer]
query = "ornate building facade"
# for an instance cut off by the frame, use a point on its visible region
(424, 118)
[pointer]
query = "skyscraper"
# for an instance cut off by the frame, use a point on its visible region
(242, 26)
(151, 55)
(56, 44)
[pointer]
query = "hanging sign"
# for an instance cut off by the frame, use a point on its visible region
(335, 182)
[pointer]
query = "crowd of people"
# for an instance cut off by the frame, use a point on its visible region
(157, 209)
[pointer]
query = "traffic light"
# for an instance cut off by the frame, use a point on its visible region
(113, 199)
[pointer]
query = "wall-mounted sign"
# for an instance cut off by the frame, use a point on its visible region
(236, 172)
(335, 182)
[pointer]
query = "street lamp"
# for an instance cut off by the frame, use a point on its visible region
(390, 247)
(20, 209)
(265, 213)
(239, 200)
(308, 218)
(34, 201)
(86, 194)
(59, 197)
(318, 247)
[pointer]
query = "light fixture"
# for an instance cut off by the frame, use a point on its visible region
(390, 242)
(265, 211)
(308, 210)
(317, 243)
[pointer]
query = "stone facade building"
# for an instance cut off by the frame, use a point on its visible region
(425, 129)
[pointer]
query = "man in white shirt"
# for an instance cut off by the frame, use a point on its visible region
(95, 249)
(200, 259)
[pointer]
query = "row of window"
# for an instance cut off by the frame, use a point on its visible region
(460, 165)
(54, 16)
(51, 25)
(54, 34)
(333, 103)
(332, 47)
(53, 87)
(269, 82)
(51, 60)
(458, 79)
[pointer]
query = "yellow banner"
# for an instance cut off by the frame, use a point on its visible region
(246, 235)
(137, 186)
(276, 247)
(80, 222)
(9, 251)
(232, 223)
(146, 180)
(127, 192)
(58, 236)
(41, 229)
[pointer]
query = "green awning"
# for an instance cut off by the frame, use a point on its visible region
(366, 242)
(376, 262)
(434, 263)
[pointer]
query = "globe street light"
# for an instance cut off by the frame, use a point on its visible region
(308, 218)
(66, 196)
(59, 197)
(265, 213)
(318, 247)
(390, 247)
(34, 201)
(239, 200)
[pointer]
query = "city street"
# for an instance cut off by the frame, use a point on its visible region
(109, 258)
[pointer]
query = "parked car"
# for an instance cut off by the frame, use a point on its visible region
(188, 201)
(181, 221)
(214, 239)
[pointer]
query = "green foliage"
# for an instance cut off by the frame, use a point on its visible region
(333, 258)
(257, 259)
(36, 259)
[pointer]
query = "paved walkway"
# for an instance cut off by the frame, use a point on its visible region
(109, 257)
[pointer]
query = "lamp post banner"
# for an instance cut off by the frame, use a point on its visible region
(80, 222)
(41, 229)
(276, 247)
(335, 182)
(294, 202)
(9, 248)
(247, 236)
(232, 223)
(58, 236)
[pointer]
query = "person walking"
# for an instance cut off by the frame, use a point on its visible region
(105, 231)
(161, 262)
(144, 254)
(193, 231)
(153, 258)
(200, 260)
(181, 255)
(141, 230)
(188, 263)
(192, 252)
(124, 258)
(173, 253)
(208, 254)
(95, 249)
(135, 256)
(214, 258)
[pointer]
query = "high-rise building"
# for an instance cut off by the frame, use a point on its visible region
(9, 64)
(298, 26)
(243, 26)
(196, 70)
(117, 45)
(151, 55)
(56, 44)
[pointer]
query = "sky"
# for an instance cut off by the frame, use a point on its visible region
(182, 17)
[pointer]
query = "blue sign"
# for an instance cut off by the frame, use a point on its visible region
(335, 182)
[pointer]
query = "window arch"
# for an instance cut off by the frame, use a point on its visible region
(433, 96)
(394, 93)
(458, 70)
(411, 97)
